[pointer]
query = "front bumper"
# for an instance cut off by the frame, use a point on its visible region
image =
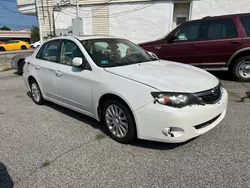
(155, 120)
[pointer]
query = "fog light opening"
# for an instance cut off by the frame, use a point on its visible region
(173, 132)
(168, 132)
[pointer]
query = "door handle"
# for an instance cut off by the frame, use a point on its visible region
(58, 73)
(157, 47)
(37, 68)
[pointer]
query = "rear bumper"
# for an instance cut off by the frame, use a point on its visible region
(154, 121)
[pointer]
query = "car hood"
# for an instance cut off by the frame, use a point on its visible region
(167, 76)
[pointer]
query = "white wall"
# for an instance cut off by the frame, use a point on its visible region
(204, 8)
(142, 21)
(63, 19)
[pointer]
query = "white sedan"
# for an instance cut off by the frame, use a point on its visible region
(133, 93)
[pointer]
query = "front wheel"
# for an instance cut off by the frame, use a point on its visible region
(119, 121)
(36, 93)
(241, 69)
(2, 49)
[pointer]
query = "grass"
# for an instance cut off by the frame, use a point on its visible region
(46, 163)
(5, 67)
(100, 136)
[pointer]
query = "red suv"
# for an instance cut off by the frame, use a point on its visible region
(212, 43)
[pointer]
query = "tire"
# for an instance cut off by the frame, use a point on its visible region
(2, 49)
(20, 66)
(23, 47)
(117, 125)
(36, 93)
(241, 69)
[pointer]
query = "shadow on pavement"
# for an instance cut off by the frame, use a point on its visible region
(97, 125)
(158, 145)
(5, 179)
(223, 75)
(81, 117)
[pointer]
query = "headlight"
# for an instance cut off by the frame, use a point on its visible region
(177, 100)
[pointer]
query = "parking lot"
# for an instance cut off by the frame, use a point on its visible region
(51, 146)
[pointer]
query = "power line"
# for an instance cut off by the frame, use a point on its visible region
(6, 8)
(112, 15)
(8, 1)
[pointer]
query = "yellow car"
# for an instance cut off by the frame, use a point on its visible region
(14, 45)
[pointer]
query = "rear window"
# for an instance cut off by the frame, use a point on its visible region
(245, 20)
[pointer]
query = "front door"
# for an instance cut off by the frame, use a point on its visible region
(183, 49)
(46, 63)
(73, 83)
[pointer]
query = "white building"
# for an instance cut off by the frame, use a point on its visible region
(137, 20)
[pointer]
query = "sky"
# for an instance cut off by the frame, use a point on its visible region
(10, 17)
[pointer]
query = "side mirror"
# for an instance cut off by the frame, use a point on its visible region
(153, 55)
(171, 37)
(77, 61)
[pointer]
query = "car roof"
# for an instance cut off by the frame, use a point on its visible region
(86, 37)
(221, 16)
(227, 16)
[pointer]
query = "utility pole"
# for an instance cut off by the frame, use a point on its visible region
(77, 9)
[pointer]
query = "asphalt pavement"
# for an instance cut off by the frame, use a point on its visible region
(51, 146)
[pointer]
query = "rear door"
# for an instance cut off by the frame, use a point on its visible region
(16, 45)
(219, 41)
(46, 63)
(74, 83)
(184, 48)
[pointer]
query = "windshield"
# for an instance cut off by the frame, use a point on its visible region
(115, 52)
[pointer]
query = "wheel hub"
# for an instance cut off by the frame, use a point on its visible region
(244, 69)
(116, 121)
(35, 92)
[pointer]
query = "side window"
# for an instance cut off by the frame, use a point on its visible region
(219, 29)
(9, 42)
(50, 51)
(40, 52)
(246, 24)
(69, 51)
(188, 32)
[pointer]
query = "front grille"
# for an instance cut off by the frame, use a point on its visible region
(203, 125)
(210, 96)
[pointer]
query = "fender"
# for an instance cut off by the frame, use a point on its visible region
(236, 53)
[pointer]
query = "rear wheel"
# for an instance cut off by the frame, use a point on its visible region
(23, 47)
(2, 48)
(36, 93)
(241, 69)
(119, 121)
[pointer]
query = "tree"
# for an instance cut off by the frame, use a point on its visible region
(35, 34)
(5, 28)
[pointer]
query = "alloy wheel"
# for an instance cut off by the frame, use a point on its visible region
(35, 92)
(116, 121)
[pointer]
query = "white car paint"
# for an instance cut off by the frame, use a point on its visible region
(36, 44)
(82, 90)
